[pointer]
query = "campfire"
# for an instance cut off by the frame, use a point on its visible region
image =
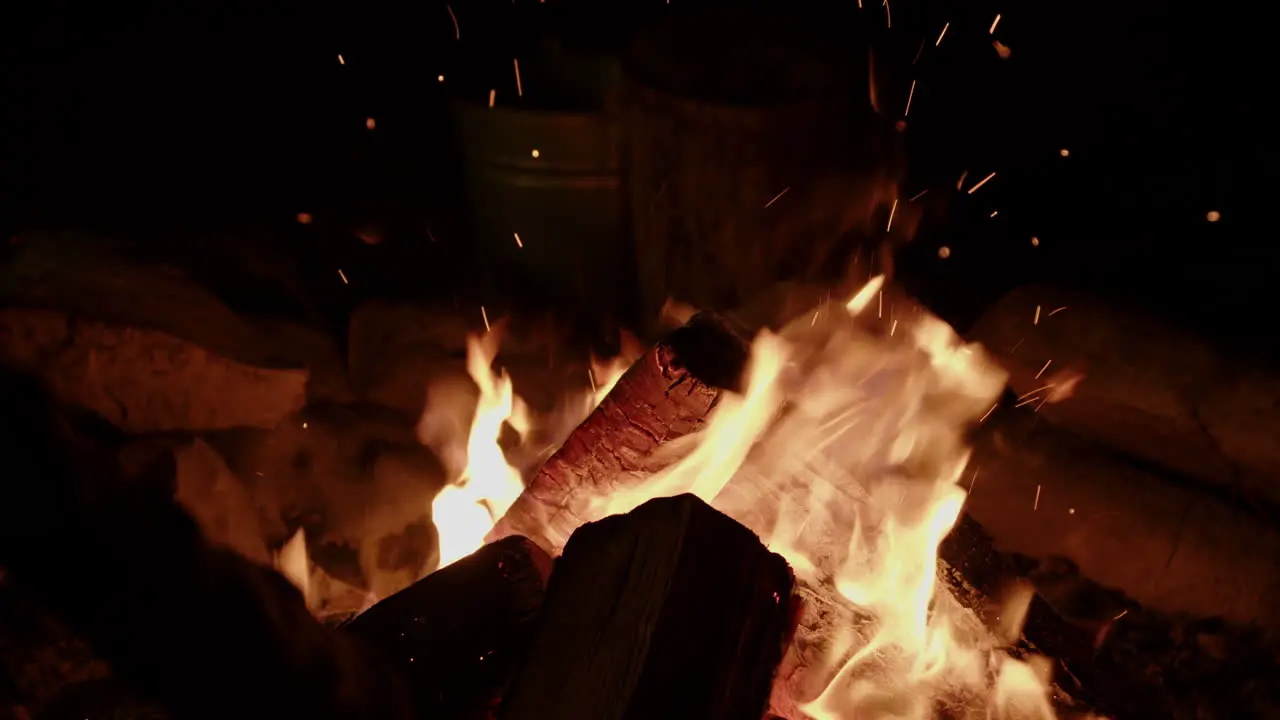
(726, 524)
(839, 441)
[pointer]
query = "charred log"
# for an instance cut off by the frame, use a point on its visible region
(204, 631)
(670, 611)
(667, 394)
(1119, 687)
(457, 634)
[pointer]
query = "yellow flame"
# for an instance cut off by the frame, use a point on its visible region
(293, 562)
(466, 510)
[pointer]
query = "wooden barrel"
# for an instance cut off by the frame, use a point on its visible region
(550, 179)
(758, 163)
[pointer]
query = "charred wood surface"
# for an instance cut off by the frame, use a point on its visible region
(203, 631)
(670, 611)
(667, 394)
(457, 634)
(1096, 676)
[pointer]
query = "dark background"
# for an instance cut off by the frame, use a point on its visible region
(175, 121)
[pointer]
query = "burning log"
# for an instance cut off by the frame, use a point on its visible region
(670, 611)
(456, 634)
(667, 394)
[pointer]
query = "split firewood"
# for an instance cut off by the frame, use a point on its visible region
(202, 630)
(1174, 547)
(670, 611)
(1142, 386)
(457, 634)
(667, 394)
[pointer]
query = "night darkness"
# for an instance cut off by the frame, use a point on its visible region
(176, 122)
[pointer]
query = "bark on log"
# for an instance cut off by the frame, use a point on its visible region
(1148, 389)
(666, 394)
(457, 634)
(202, 630)
(670, 611)
(144, 380)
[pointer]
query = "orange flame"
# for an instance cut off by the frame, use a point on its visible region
(844, 452)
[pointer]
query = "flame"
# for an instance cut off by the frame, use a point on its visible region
(467, 509)
(845, 452)
(294, 564)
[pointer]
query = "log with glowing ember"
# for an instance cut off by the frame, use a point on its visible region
(672, 610)
(844, 450)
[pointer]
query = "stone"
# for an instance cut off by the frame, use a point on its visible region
(144, 380)
(221, 503)
(397, 350)
(1141, 386)
(355, 479)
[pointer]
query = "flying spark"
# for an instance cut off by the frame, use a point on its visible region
(981, 182)
(775, 197)
(343, 276)
(910, 95)
(942, 34)
(484, 316)
(457, 31)
(519, 87)
(994, 23)
(892, 210)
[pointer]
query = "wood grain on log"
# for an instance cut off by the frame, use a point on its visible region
(666, 394)
(145, 380)
(670, 611)
(457, 634)
(1147, 388)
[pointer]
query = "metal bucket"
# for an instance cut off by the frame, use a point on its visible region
(545, 201)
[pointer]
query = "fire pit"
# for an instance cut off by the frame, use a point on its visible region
(812, 556)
